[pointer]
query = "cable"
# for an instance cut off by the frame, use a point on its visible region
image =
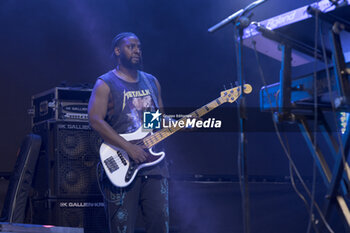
(239, 158)
(314, 143)
(296, 189)
(244, 195)
(292, 164)
(98, 176)
(272, 113)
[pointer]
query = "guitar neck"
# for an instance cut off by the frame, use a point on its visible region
(166, 132)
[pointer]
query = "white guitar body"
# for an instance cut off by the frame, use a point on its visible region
(120, 169)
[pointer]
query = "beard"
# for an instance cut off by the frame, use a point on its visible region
(130, 64)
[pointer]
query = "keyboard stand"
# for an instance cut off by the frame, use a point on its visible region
(336, 178)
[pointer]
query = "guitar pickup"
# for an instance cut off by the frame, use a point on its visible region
(111, 164)
(121, 158)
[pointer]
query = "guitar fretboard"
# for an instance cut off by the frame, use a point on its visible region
(230, 95)
(166, 132)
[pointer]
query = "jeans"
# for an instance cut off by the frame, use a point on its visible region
(150, 193)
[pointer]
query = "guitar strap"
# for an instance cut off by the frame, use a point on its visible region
(148, 84)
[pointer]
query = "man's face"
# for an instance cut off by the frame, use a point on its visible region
(130, 52)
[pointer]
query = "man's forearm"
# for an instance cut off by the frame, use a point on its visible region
(108, 134)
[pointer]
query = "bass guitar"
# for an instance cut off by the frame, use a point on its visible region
(121, 169)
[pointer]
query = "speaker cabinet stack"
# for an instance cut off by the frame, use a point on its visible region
(66, 190)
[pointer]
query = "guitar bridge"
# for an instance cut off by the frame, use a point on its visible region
(111, 164)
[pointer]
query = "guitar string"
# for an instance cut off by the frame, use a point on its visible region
(158, 136)
(200, 112)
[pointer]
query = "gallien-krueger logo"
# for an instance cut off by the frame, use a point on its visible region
(155, 120)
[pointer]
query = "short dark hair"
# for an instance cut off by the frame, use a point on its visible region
(118, 38)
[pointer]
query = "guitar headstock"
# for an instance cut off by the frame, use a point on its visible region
(231, 95)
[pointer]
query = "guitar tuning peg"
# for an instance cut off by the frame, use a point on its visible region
(224, 87)
(231, 85)
(236, 83)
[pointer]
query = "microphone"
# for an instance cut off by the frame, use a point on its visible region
(228, 20)
(235, 16)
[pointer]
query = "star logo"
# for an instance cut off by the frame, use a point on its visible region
(151, 120)
(156, 115)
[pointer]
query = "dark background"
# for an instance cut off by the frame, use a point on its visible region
(44, 43)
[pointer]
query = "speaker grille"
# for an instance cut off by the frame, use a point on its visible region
(68, 160)
(76, 157)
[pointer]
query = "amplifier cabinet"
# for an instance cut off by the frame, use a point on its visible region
(68, 160)
(60, 103)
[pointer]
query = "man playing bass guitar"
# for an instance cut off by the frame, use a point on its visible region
(116, 107)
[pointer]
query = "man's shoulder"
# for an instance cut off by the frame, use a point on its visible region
(106, 76)
(147, 75)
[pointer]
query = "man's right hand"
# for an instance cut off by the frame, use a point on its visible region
(137, 153)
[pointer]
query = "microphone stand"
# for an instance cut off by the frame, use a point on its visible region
(241, 21)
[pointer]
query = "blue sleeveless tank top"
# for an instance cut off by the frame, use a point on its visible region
(126, 104)
(128, 101)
